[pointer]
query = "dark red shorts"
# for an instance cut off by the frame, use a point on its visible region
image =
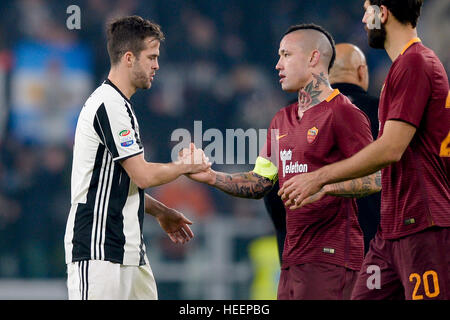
(416, 267)
(316, 281)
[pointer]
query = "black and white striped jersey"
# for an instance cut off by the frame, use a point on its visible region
(107, 209)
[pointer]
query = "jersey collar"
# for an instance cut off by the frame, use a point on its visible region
(409, 44)
(107, 81)
(332, 95)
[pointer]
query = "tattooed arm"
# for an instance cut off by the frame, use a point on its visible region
(356, 188)
(243, 185)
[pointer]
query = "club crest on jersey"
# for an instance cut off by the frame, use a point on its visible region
(312, 134)
(125, 138)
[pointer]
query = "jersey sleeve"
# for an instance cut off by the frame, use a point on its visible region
(266, 164)
(409, 90)
(116, 127)
(351, 129)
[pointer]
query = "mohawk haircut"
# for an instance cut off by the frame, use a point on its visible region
(312, 26)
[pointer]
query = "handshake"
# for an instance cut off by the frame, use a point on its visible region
(198, 165)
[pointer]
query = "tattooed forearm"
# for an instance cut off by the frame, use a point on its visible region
(356, 188)
(243, 185)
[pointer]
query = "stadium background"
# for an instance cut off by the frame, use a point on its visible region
(217, 65)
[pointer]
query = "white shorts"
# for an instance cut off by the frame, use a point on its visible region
(105, 280)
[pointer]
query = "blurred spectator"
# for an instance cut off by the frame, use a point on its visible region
(193, 199)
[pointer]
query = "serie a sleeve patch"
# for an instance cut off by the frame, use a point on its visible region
(266, 168)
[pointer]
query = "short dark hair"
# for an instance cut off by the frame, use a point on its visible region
(127, 34)
(405, 11)
(312, 26)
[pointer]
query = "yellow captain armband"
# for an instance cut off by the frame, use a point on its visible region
(266, 168)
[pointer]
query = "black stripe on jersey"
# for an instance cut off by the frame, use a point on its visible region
(115, 238)
(133, 125)
(82, 229)
(141, 223)
(103, 129)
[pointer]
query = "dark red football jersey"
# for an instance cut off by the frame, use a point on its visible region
(416, 189)
(327, 230)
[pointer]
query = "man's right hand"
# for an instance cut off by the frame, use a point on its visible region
(192, 155)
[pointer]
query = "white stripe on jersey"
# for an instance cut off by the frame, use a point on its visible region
(104, 213)
(101, 205)
(69, 232)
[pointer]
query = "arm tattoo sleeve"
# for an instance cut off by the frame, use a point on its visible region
(356, 188)
(243, 185)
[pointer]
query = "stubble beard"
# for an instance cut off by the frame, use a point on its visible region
(141, 80)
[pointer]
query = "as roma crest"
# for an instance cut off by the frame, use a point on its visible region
(312, 134)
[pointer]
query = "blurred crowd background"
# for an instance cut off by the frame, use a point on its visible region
(217, 66)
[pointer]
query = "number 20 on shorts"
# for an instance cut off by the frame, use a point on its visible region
(426, 284)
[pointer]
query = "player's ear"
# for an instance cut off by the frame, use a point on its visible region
(128, 58)
(314, 58)
(384, 14)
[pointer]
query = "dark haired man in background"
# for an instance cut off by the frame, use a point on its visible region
(408, 258)
(105, 251)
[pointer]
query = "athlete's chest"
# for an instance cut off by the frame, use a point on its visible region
(312, 132)
(303, 144)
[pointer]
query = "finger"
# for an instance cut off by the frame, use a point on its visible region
(293, 197)
(281, 191)
(184, 234)
(172, 237)
(179, 237)
(188, 231)
(290, 191)
(301, 200)
(186, 220)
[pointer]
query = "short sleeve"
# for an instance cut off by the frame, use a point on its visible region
(266, 164)
(117, 128)
(351, 129)
(409, 90)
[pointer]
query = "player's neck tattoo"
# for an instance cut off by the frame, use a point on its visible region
(309, 95)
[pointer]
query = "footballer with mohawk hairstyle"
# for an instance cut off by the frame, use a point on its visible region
(324, 247)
